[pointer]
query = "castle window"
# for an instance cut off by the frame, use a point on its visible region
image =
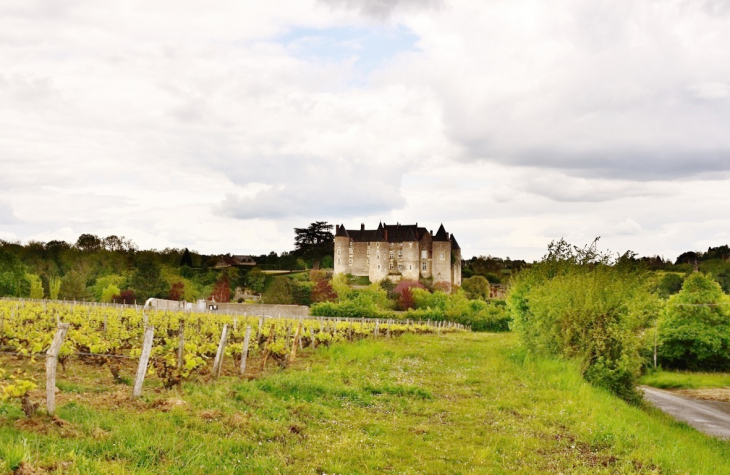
(339, 261)
(368, 261)
(391, 265)
(392, 255)
(351, 251)
(410, 267)
(377, 255)
(350, 261)
(339, 250)
(378, 244)
(424, 266)
(441, 256)
(400, 254)
(424, 254)
(378, 266)
(400, 267)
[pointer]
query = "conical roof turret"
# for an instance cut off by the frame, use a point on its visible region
(341, 231)
(441, 234)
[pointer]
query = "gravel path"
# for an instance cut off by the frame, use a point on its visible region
(706, 416)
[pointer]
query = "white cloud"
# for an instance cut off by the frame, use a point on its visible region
(218, 128)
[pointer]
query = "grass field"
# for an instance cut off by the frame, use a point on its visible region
(686, 380)
(440, 404)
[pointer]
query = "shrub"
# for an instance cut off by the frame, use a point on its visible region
(323, 292)
(476, 288)
(404, 294)
(694, 331)
(579, 303)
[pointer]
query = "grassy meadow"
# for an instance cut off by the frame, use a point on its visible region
(437, 404)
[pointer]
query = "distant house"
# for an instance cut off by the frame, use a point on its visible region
(234, 261)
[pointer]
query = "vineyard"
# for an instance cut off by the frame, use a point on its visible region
(170, 346)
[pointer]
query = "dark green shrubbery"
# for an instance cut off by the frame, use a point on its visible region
(582, 304)
(694, 331)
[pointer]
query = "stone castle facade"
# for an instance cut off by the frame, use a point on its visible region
(398, 252)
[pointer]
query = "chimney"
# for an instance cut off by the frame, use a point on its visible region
(386, 234)
(431, 231)
(362, 226)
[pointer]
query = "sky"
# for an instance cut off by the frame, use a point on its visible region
(221, 126)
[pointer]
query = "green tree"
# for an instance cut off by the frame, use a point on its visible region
(147, 281)
(12, 274)
(102, 283)
(279, 292)
(694, 331)
(54, 287)
(476, 287)
(314, 242)
(669, 285)
(73, 286)
(36, 286)
(256, 280)
(108, 294)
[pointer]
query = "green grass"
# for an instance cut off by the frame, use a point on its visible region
(448, 404)
(686, 380)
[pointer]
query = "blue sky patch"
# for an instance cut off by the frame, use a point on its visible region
(369, 47)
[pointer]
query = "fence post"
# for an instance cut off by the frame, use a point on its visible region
(244, 350)
(377, 327)
(218, 362)
(51, 362)
(144, 358)
(181, 345)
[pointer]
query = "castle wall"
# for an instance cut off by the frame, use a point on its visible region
(425, 255)
(360, 264)
(410, 261)
(378, 261)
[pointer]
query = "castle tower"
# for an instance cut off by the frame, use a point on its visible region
(343, 258)
(441, 261)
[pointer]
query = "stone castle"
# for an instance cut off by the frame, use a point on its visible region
(398, 252)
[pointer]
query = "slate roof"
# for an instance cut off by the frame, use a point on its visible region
(454, 244)
(387, 233)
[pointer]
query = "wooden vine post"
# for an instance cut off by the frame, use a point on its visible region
(144, 359)
(244, 350)
(297, 336)
(218, 362)
(181, 346)
(51, 362)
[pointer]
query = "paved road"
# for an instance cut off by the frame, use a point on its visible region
(704, 416)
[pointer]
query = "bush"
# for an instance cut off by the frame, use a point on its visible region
(581, 304)
(476, 288)
(694, 332)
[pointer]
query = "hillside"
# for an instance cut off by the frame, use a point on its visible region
(462, 403)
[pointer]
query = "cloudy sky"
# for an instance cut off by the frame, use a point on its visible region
(222, 125)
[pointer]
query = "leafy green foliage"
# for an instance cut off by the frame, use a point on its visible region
(73, 286)
(582, 304)
(669, 285)
(476, 287)
(256, 280)
(36, 286)
(694, 331)
(280, 292)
